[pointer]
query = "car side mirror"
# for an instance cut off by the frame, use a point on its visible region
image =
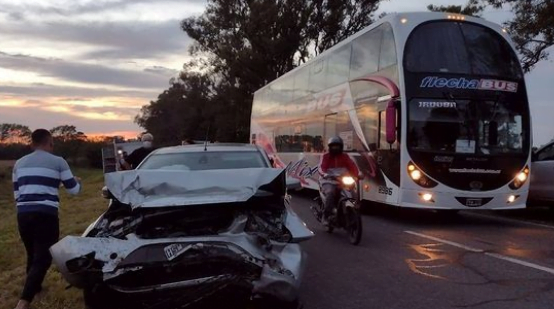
(106, 193)
(390, 122)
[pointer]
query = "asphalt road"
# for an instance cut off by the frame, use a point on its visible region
(419, 259)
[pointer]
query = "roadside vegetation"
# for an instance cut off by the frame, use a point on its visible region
(76, 214)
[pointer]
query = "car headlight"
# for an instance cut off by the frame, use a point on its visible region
(520, 179)
(419, 177)
(348, 180)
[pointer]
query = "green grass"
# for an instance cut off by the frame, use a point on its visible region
(76, 213)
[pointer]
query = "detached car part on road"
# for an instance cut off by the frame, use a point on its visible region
(171, 239)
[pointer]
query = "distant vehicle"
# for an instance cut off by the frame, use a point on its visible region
(541, 188)
(112, 154)
(433, 107)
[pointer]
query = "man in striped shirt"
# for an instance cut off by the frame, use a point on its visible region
(36, 180)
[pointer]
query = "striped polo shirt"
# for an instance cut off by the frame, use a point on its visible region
(36, 180)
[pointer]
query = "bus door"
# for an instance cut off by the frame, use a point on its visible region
(388, 160)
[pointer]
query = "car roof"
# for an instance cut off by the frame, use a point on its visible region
(215, 147)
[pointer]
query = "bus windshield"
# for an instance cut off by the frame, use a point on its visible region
(478, 127)
(460, 48)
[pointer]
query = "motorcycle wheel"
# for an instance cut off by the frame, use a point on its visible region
(355, 227)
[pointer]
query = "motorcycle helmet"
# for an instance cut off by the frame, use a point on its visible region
(335, 145)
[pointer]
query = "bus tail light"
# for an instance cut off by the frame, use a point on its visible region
(419, 177)
(520, 179)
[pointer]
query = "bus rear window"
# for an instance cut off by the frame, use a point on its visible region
(460, 48)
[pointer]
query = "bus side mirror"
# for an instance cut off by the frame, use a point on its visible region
(390, 122)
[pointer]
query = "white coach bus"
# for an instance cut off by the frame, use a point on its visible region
(432, 106)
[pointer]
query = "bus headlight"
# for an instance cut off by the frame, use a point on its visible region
(416, 175)
(419, 177)
(520, 179)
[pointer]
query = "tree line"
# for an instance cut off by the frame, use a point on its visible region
(69, 143)
(241, 45)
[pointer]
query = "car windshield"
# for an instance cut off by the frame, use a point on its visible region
(466, 126)
(204, 160)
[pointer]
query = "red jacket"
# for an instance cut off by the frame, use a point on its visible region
(343, 160)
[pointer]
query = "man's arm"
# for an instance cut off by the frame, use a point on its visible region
(70, 182)
(323, 165)
(15, 185)
(130, 162)
(352, 168)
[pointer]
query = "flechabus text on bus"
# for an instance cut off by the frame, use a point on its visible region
(464, 83)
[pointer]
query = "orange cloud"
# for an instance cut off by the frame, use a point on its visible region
(126, 134)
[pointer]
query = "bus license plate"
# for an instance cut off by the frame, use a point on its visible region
(474, 202)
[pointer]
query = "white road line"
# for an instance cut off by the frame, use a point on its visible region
(520, 262)
(490, 254)
(444, 241)
(492, 217)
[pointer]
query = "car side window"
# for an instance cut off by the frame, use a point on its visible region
(547, 154)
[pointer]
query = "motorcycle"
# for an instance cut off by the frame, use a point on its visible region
(347, 214)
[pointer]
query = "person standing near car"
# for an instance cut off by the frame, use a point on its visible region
(36, 180)
(134, 159)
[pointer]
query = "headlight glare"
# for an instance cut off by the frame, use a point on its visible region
(416, 175)
(520, 179)
(348, 181)
(419, 177)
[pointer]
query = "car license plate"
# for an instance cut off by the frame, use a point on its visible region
(474, 202)
(174, 250)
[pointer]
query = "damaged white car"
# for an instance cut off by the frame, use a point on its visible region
(174, 239)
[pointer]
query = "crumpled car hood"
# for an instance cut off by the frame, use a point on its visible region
(166, 188)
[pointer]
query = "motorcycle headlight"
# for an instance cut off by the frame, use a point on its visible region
(348, 181)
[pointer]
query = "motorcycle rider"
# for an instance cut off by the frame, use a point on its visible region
(335, 158)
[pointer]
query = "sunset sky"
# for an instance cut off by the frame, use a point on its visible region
(95, 63)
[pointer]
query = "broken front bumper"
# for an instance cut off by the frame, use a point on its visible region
(134, 265)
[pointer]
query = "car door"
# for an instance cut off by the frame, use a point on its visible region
(542, 174)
